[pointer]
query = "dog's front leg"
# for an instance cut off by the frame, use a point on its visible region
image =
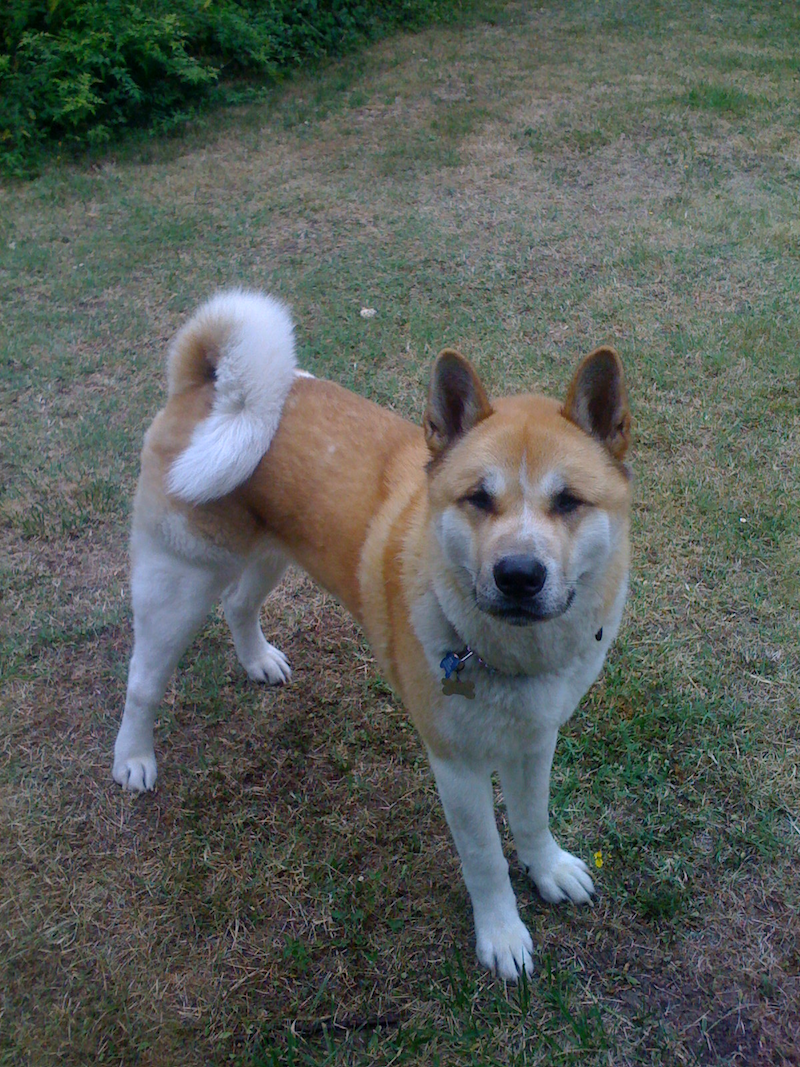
(557, 874)
(502, 941)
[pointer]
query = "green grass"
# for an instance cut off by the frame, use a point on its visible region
(526, 188)
(724, 100)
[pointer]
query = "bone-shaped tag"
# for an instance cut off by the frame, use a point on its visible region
(451, 687)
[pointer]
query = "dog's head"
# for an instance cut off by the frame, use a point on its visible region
(529, 497)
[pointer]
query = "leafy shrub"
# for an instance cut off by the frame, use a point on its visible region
(79, 71)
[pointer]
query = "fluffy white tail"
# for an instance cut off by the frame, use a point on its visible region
(243, 343)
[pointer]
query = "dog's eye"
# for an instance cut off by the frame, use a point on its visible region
(565, 502)
(481, 499)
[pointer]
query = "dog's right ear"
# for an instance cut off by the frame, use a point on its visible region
(456, 402)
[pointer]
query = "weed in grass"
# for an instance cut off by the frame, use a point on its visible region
(718, 99)
(661, 902)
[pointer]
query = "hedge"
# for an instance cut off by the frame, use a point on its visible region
(78, 72)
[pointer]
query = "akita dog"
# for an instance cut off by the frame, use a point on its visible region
(485, 555)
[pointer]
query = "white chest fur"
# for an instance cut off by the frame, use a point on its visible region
(510, 712)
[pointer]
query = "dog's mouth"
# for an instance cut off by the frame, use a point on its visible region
(526, 614)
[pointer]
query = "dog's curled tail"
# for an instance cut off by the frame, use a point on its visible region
(243, 344)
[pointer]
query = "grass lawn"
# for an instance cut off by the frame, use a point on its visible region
(524, 187)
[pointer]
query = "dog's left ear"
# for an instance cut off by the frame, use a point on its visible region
(456, 402)
(597, 401)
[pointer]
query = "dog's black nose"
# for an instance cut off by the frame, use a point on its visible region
(520, 577)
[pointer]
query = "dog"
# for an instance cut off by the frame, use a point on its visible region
(484, 554)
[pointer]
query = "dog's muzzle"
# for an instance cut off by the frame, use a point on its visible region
(520, 578)
(521, 593)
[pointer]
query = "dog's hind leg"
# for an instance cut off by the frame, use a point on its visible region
(242, 602)
(171, 598)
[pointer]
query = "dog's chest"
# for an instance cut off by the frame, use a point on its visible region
(501, 715)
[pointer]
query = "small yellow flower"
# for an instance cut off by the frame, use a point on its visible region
(598, 859)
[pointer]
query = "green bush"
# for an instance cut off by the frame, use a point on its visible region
(79, 71)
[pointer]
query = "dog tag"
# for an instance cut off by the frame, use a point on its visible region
(451, 687)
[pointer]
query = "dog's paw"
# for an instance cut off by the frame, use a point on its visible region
(137, 773)
(560, 876)
(271, 667)
(505, 947)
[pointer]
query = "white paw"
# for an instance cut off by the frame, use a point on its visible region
(271, 666)
(505, 947)
(137, 773)
(559, 876)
